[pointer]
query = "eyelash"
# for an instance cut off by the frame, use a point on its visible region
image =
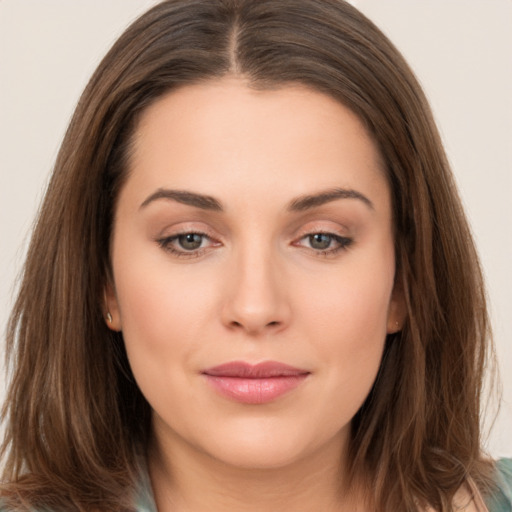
(166, 244)
(343, 243)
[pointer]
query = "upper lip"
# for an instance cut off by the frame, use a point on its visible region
(266, 369)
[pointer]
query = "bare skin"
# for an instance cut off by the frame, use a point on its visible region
(280, 249)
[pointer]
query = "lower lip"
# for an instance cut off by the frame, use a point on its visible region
(255, 391)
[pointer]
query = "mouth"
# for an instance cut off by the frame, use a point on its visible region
(254, 384)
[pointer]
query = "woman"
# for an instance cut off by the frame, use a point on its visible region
(251, 284)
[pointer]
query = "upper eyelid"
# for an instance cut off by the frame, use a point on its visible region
(340, 232)
(206, 234)
(323, 222)
(173, 232)
(299, 233)
(222, 230)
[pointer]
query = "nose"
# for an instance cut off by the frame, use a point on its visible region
(256, 295)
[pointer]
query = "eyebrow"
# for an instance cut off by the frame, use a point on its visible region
(189, 198)
(300, 204)
(312, 201)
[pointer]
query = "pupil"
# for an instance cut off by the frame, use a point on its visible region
(320, 241)
(190, 241)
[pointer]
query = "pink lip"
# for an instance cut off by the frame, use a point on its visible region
(254, 384)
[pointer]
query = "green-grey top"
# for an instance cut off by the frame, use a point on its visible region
(500, 501)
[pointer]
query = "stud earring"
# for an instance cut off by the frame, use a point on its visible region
(109, 317)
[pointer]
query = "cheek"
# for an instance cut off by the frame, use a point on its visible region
(155, 306)
(346, 322)
(164, 317)
(353, 324)
(163, 309)
(350, 304)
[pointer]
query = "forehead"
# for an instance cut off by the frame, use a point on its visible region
(222, 134)
(231, 103)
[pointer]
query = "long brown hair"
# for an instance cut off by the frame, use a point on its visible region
(75, 419)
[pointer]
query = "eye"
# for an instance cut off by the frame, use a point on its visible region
(326, 244)
(189, 244)
(190, 241)
(320, 241)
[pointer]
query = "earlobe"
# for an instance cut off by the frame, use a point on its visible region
(397, 311)
(393, 327)
(111, 309)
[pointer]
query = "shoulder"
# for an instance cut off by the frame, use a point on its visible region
(501, 500)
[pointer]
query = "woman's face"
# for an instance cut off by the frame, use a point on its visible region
(254, 227)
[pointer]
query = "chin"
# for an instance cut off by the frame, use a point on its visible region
(265, 447)
(253, 456)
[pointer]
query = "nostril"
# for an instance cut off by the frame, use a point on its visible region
(235, 324)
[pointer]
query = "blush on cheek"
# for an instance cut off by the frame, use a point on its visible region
(354, 310)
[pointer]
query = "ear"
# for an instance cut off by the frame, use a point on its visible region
(397, 310)
(111, 308)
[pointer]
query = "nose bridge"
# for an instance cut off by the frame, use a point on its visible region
(256, 298)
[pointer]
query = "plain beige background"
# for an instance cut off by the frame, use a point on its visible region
(461, 51)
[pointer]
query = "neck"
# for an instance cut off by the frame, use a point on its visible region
(186, 480)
